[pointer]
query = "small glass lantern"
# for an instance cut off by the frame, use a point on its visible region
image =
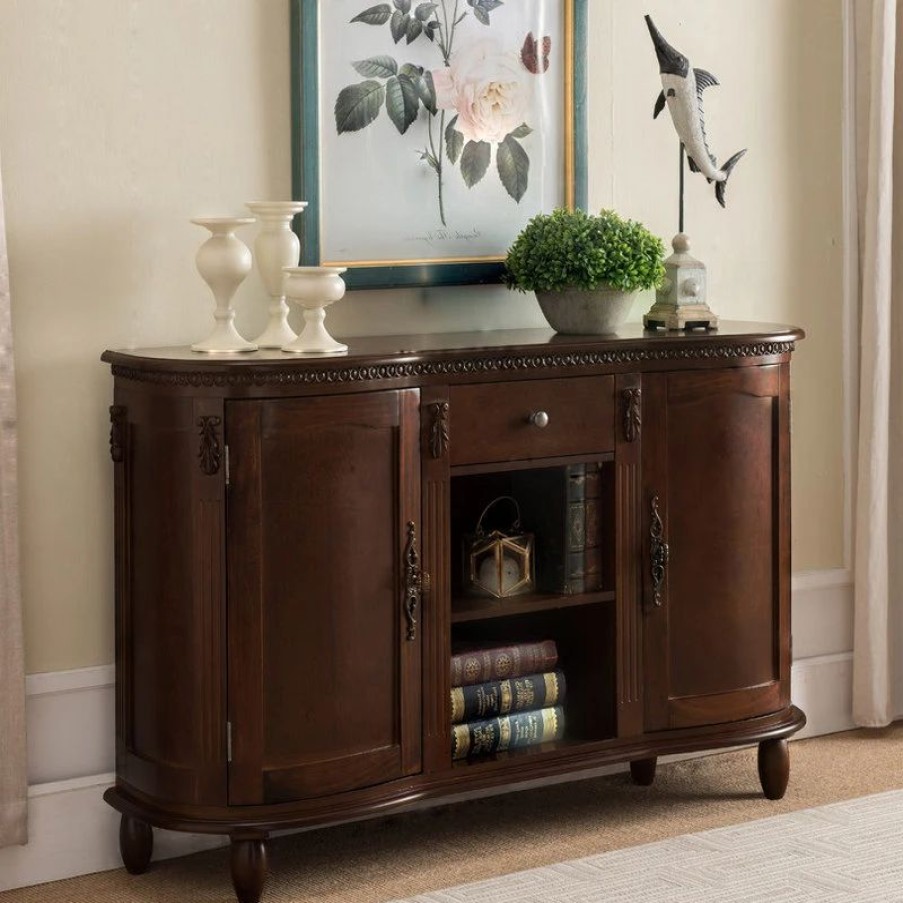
(499, 564)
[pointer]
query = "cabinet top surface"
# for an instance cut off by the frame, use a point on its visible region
(731, 338)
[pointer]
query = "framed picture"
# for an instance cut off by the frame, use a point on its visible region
(426, 133)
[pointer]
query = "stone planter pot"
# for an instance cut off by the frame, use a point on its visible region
(577, 312)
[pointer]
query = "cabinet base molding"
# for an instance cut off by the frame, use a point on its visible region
(504, 771)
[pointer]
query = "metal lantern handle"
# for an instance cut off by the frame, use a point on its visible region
(502, 498)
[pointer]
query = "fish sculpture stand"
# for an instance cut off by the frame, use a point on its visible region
(681, 300)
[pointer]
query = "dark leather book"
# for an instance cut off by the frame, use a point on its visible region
(560, 506)
(502, 697)
(592, 548)
(516, 731)
(477, 666)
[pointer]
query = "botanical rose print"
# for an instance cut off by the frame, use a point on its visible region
(476, 106)
(488, 87)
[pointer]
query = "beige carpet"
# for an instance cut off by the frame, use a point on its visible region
(378, 861)
(849, 852)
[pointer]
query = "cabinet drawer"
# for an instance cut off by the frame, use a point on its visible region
(491, 421)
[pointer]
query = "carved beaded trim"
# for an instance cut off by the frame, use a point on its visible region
(332, 375)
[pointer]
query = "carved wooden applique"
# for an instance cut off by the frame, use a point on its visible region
(633, 415)
(439, 429)
(117, 433)
(210, 452)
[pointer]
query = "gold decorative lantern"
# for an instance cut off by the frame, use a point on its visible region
(498, 564)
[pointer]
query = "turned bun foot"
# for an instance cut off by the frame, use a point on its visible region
(643, 771)
(136, 843)
(248, 860)
(774, 768)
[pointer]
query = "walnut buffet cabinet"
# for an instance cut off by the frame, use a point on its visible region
(288, 568)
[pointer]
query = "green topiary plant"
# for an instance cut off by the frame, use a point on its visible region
(574, 249)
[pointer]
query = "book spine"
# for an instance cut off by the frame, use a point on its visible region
(575, 492)
(503, 662)
(501, 697)
(508, 732)
(592, 551)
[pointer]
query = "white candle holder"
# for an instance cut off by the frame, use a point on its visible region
(275, 248)
(223, 262)
(314, 289)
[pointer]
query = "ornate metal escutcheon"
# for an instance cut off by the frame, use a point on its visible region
(117, 433)
(633, 414)
(210, 452)
(439, 429)
(659, 553)
(413, 581)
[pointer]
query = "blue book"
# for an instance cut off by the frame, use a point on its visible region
(508, 732)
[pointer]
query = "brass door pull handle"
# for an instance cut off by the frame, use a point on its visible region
(413, 581)
(659, 553)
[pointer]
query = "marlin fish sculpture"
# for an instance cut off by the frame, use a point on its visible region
(682, 89)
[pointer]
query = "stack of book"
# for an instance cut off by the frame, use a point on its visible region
(506, 697)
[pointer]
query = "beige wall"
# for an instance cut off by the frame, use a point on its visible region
(120, 120)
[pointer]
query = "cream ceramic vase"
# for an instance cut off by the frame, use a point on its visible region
(275, 248)
(313, 289)
(223, 262)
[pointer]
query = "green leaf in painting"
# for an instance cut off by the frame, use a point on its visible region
(402, 102)
(377, 67)
(454, 141)
(481, 15)
(403, 5)
(425, 10)
(398, 25)
(358, 105)
(411, 71)
(376, 15)
(415, 29)
(427, 91)
(475, 161)
(514, 167)
(522, 131)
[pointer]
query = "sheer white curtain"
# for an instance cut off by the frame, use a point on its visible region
(12, 668)
(877, 43)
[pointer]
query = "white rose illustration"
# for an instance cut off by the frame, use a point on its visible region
(488, 87)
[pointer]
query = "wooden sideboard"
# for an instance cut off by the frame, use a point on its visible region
(288, 542)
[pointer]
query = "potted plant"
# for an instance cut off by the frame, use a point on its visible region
(585, 269)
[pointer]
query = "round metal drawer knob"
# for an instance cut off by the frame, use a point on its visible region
(540, 419)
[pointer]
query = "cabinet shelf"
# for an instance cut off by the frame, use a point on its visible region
(551, 749)
(467, 609)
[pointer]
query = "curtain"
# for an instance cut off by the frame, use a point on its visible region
(12, 666)
(877, 69)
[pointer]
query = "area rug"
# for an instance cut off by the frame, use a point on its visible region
(850, 851)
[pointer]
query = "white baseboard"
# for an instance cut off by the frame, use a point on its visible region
(822, 686)
(70, 742)
(70, 724)
(72, 831)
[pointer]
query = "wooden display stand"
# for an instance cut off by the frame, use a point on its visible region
(288, 568)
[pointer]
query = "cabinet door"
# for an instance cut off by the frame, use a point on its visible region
(323, 531)
(716, 491)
